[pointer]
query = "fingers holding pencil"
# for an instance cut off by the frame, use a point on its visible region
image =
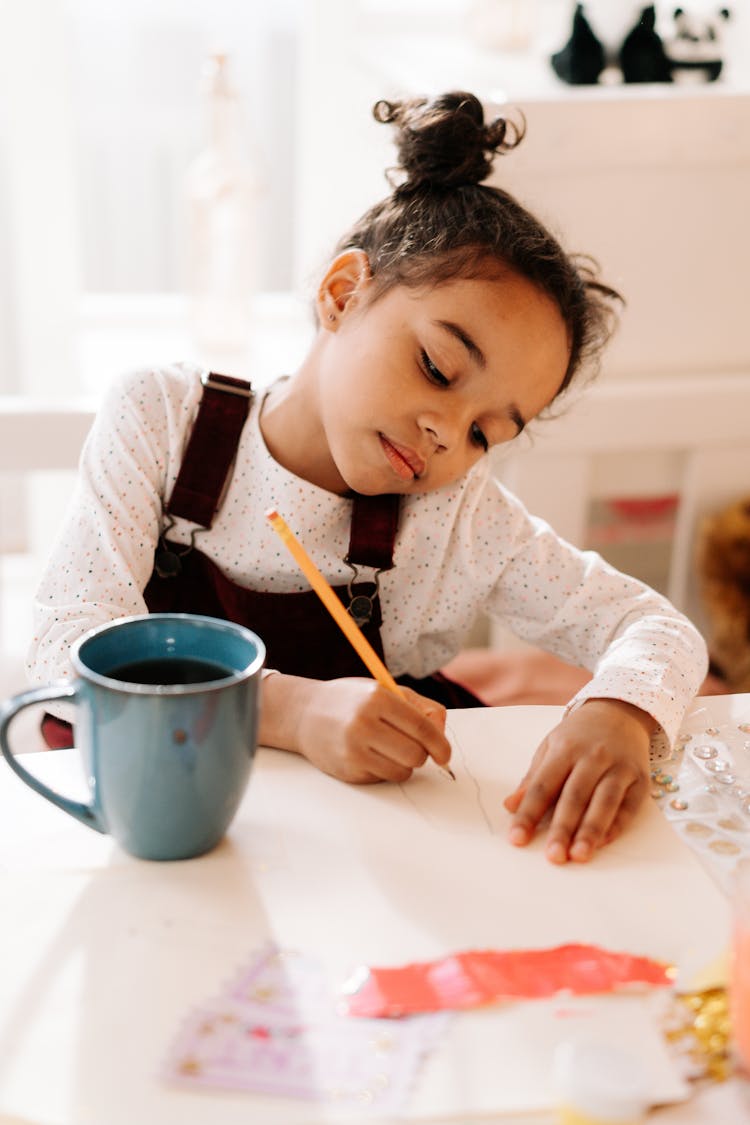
(357, 731)
(432, 714)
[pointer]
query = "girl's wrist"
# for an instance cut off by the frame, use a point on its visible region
(647, 721)
(270, 730)
(283, 699)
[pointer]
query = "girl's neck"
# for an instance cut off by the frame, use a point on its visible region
(293, 432)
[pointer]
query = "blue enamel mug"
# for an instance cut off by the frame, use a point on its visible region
(166, 720)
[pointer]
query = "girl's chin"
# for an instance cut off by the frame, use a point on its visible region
(376, 486)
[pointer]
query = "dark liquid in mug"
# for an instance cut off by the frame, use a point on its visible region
(180, 670)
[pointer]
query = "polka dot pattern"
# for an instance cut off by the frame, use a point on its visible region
(468, 547)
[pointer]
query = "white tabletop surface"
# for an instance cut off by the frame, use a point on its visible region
(101, 955)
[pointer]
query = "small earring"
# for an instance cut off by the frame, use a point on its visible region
(331, 316)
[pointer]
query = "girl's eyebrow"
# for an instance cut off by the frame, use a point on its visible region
(472, 348)
(516, 417)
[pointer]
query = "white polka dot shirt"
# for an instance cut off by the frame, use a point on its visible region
(469, 547)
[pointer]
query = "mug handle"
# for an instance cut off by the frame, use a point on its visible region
(8, 711)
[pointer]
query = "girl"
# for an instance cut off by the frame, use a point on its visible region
(448, 319)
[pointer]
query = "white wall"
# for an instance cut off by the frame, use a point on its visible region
(139, 122)
(99, 115)
(652, 180)
(40, 224)
(656, 185)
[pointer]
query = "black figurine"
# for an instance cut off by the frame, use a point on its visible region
(640, 58)
(582, 59)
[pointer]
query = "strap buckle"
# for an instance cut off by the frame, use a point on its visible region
(227, 384)
(361, 606)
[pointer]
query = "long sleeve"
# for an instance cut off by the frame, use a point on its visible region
(104, 553)
(637, 645)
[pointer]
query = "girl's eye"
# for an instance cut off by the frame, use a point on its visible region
(436, 376)
(477, 436)
(434, 373)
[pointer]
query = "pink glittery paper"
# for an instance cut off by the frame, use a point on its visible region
(276, 1030)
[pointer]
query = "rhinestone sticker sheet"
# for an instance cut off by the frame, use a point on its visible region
(705, 792)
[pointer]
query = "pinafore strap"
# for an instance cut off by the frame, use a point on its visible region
(210, 453)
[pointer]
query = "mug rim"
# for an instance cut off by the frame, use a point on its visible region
(112, 684)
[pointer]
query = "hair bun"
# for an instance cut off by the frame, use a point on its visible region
(444, 142)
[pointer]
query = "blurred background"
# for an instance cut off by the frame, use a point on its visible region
(108, 114)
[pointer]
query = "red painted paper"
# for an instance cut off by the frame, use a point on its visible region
(468, 980)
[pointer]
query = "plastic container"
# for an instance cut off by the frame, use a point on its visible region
(599, 1084)
(739, 986)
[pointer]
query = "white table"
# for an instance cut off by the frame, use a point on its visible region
(101, 955)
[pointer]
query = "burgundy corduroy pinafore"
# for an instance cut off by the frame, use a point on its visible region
(300, 636)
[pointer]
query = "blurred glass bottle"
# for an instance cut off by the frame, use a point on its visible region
(502, 25)
(221, 191)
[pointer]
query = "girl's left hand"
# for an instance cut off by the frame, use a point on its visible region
(593, 768)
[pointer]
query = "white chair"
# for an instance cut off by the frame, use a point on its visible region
(687, 436)
(34, 437)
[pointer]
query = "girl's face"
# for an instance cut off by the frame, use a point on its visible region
(417, 385)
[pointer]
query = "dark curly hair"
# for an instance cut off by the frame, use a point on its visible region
(441, 221)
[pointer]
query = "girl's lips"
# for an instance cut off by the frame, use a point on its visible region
(405, 462)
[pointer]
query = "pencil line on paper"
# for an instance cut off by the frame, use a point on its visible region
(475, 783)
(417, 808)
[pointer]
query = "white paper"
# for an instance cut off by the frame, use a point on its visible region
(103, 954)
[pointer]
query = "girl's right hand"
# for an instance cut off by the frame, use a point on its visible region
(354, 729)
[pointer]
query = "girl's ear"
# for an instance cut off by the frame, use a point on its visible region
(345, 281)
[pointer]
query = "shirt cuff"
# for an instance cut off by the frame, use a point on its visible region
(661, 742)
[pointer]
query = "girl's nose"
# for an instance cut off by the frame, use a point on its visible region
(432, 434)
(442, 431)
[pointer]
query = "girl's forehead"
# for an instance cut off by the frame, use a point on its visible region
(503, 324)
(490, 304)
(497, 287)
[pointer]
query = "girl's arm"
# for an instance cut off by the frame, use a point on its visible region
(103, 559)
(104, 553)
(591, 773)
(638, 647)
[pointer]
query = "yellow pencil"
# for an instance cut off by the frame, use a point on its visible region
(346, 623)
